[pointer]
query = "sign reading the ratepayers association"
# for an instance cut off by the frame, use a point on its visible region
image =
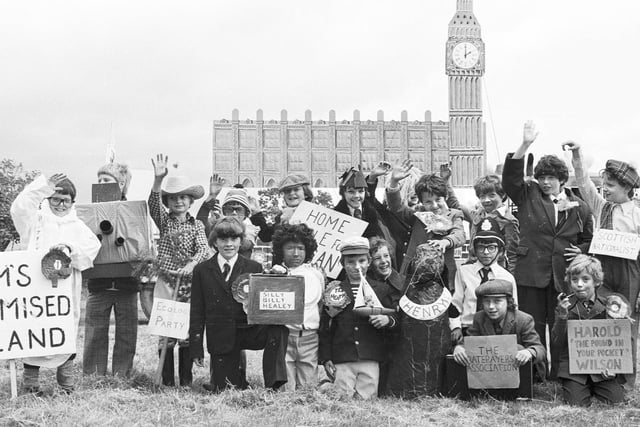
(36, 319)
(330, 228)
(492, 362)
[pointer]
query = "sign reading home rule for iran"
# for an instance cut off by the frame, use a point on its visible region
(36, 318)
(330, 228)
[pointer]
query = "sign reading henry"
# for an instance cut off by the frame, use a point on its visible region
(330, 228)
(599, 345)
(493, 362)
(615, 243)
(169, 319)
(36, 319)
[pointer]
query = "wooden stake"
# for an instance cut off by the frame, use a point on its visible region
(165, 342)
(14, 379)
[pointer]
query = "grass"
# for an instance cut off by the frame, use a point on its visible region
(136, 402)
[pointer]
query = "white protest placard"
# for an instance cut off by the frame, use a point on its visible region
(599, 345)
(615, 243)
(492, 362)
(330, 229)
(169, 319)
(36, 319)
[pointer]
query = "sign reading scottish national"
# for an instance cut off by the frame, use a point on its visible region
(330, 229)
(36, 318)
(615, 243)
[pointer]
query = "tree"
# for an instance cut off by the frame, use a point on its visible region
(269, 200)
(13, 178)
(323, 198)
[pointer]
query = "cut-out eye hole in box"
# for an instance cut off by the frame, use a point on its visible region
(275, 300)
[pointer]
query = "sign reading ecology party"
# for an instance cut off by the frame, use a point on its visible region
(330, 228)
(596, 346)
(492, 362)
(169, 319)
(615, 243)
(36, 319)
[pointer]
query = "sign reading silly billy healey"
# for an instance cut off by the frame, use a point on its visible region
(36, 319)
(599, 345)
(330, 228)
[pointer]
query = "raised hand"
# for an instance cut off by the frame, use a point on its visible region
(215, 185)
(160, 169)
(382, 169)
(445, 171)
(400, 171)
(529, 133)
(55, 179)
(570, 145)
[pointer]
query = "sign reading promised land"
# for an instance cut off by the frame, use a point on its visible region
(599, 345)
(492, 362)
(330, 228)
(615, 243)
(169, 319)
(36, 319)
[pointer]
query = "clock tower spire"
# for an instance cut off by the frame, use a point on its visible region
(465, 65)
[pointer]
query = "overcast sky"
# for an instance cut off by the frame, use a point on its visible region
(159, 73)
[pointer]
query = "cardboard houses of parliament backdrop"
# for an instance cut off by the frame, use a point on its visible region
(259, 153)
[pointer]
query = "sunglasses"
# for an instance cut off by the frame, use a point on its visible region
(232, 209)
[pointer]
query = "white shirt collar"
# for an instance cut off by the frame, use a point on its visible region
(222, 261)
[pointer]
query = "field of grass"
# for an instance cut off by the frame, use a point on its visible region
(135, 402)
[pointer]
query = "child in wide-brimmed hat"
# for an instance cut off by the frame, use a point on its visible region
(183, 244)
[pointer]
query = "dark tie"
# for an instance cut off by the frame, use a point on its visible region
(606, 217)
(484, 276)
(225, 271)
(497, 328)
(357, 213)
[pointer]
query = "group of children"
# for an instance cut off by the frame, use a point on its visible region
(405, 258)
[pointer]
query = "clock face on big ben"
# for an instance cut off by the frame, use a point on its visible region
(465, 55)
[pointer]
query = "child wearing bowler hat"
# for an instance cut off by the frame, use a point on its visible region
(500, 316)
(353, 345)
(615, 211)
(183, 244)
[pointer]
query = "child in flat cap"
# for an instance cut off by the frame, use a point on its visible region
(500, 316)
(352, 345)
(183, 244)
(615, 211)
(488, 244)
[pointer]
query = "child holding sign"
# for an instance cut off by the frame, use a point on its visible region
(293, 247)
(352, 345)
(616, 211)
(499, 316)
(44, 215)
(585, 276)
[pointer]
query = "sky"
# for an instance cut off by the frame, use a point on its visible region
(152, 76)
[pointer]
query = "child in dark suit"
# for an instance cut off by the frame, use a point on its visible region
(352, 345)
(213, 306)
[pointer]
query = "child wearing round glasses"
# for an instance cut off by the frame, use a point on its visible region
(488, 244)
(44, 216)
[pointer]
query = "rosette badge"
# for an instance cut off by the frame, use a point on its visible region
(56, 265)
(335, 299)
(618, 307)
